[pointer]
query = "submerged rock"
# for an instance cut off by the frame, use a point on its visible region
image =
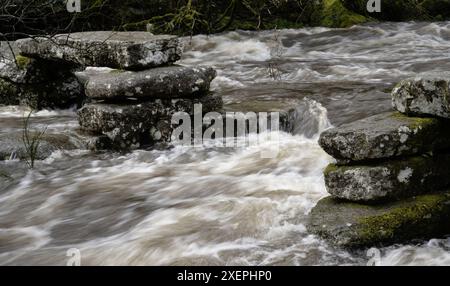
(423, 96)
(12, 145)
(11, 172)
(122, 50)
(132, 125)
(352, 225)
(163, 82)
(384, 136)
(388, 180)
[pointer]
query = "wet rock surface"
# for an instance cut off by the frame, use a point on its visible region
(12, 145)
(131, 125)
(10, 172)
(23, 70)
(389, 180)
(423, 96)
(61, 93)
(351, 225)
(122, 50)
(38, 84)
(385, 136)
(163, 82)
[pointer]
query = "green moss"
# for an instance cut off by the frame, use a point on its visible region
(415, 122)
(22, 62)
(420, 216)
(334, 14)
(331, 168)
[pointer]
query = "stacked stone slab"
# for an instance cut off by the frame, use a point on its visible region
(392, 172)
(132, 85)
(36, 82)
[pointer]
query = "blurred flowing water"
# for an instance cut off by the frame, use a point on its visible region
(214, 206)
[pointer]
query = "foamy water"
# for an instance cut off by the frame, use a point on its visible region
(218, 206)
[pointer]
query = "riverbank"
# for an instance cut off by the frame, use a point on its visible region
(189, 17)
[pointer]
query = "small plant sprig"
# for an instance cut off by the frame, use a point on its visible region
(31, 141)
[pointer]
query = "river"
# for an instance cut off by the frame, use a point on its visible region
(216, 206)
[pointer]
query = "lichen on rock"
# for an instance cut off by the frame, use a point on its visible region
(385, 136)
(351, 225)
(389, 180)
(423, 96)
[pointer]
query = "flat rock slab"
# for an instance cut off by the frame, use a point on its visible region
(423, 96)
(388, 180)
(163, 82)
(385, 136)
(351, 225)
(131, 126)
(122, 50)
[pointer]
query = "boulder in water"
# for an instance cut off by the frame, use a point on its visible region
(351, 225)
(12, 145)
(121, 50)
(163, 82)
(38, 84)
(134, 124)
(423, 96)
(384, 136)
(390, 180)
(62, 93)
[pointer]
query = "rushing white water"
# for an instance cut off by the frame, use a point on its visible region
(216, 206)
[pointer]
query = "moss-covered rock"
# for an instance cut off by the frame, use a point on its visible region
(390, 180)
(386, 135)
(352, 225)
(333, 13)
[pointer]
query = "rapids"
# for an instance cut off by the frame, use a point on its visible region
(216, 206)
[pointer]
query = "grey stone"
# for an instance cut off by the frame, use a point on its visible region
(12, 145)
(423, 96)
(351, 225)
(122, 50)
(163, 82)
(384, 136)
(132, 126)
(389, 180)
(24, 71)
(62, 93)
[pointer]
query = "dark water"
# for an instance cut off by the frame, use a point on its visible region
(221, 206)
